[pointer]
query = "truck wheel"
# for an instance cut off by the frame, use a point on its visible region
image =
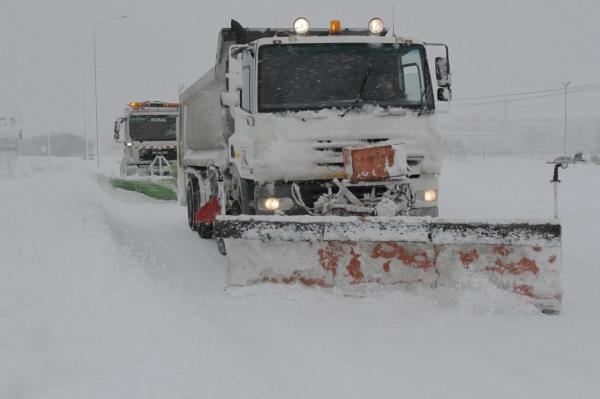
(192, 201)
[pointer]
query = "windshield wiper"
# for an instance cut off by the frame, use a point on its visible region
(360, 92)
(424, 105)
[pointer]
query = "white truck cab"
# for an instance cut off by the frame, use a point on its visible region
(148, 133)
(273, 119)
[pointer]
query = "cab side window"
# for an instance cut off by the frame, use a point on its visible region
(246, 92)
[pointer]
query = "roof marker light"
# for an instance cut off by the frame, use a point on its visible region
(301, 26)
(335, 27)
(376, 26)
(152, 104)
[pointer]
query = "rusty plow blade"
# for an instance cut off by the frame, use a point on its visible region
(523, 257)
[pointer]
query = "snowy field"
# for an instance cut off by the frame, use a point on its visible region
(107, 294)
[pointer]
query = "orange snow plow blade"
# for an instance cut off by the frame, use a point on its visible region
(520, 256)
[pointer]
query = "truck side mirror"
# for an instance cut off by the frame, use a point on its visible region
(442, 72)
(444, 94)
(116, 130)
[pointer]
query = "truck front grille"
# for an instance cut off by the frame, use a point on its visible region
(329, 153)
(149, 153)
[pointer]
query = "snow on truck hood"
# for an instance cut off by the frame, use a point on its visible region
(284, 141)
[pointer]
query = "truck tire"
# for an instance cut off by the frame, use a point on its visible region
(193, 202)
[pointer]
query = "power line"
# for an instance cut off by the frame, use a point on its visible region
(514, 100)
(505, 95)
(554, 93)
(524, 93)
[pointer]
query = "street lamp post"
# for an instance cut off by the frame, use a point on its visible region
(96, 82)
(565, 86)
(85, 136)
(85, 139)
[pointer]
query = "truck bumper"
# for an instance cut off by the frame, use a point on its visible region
(312, 190)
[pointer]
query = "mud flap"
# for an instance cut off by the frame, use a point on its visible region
(523, 257)
(208, 212)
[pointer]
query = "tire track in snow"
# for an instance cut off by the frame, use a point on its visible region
(154, 234)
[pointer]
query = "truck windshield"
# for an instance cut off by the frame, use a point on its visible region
(152, 128)
(338, 75)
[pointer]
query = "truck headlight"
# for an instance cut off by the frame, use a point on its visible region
(273, 204)
(129, 143)
(430, 195)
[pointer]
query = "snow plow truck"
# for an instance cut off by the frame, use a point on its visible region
(311, 156)
(148, 133)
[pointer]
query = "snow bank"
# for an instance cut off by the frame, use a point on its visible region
(82, 313)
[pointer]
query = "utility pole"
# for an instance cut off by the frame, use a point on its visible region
(47, 130)
(85, 139)
(96, 102)
(505, 121)
(565, 87)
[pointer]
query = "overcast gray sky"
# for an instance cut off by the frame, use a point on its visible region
(496, 47)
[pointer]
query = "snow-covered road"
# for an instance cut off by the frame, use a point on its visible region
(105, 293)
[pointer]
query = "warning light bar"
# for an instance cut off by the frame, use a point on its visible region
(375, 27)
(152, 104)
